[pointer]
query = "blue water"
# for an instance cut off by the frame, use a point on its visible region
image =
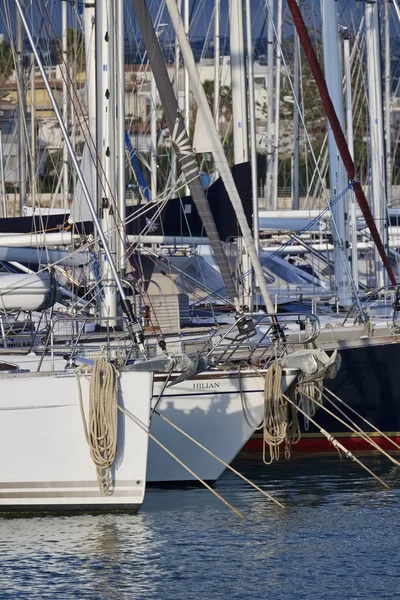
(338, 537)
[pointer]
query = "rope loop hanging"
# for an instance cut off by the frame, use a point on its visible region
(306, 393)
(101, 427)
(275, 413)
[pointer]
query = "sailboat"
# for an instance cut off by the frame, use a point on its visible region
(210, 407)
(369, 345)
(67, 442)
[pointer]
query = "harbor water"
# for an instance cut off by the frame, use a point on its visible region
(337, 538)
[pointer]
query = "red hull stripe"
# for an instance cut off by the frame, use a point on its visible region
(319, 443)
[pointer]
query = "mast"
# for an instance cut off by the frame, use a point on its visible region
(378, 176)
(388, 120)
(186, 83)
(90, 155)
(240, 131)
(33, 133)
(338, 133)
(269, 201)
(338, 181)
(252, 121)
(238, 82)
(64, 71)
(350, 142)
(278, 61)
(3, 204)
(120, 115)
(176, 90)
(106, 126)
(153, 135)
(217, 60)
(134, 324)
(296, 131)
(218, 152)
(21, 112)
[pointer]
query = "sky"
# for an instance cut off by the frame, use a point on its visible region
(350, 12)
(201, 13)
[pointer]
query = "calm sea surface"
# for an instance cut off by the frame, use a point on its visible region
(339, 537)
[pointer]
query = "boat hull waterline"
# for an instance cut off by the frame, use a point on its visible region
(367, 382)
(209, 408)
(47, 463)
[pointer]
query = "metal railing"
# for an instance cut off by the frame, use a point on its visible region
(109, 338)
(246, 339)
(268, 331)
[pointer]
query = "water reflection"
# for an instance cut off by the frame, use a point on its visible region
(336, 539)
(101, 553)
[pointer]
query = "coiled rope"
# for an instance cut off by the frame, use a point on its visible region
(281, 423)
(275, 413)
(101, 431)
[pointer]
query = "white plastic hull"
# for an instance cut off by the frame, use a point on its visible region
(46, 462)
(209, 408)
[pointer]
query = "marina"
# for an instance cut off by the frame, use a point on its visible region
(199, 298)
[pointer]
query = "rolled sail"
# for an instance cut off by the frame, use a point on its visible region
(22, 291)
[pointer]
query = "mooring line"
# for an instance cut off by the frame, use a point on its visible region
(362, 433)
(227, 465)
(363, 418)
(336, 444)
(151, 436)
(152, 410)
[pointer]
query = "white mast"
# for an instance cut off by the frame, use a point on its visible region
(388, 120)
(238, 83)
(134, 324)
(269, 201)
(106, 127)
(3, 204)
(277, 105)
(217, 61)
(378, 177)
(33, 133)
(186, 24)
(176, 90)
(337, 173)
(64, 71)
(296, 131)
(239, 129)
(120, 115)
(21, 112)
(153, 137)
(89, 152)
(350, 143)
(186, 85)
(252, 121)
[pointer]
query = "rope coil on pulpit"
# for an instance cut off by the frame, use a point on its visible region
(275, 413)
(101, 428)
(281, 423)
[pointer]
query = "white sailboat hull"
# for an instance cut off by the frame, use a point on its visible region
(46, 462)
(209, 408)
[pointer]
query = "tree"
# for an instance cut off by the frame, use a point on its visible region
(75, 50)
(6, 64)
(225, 99)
